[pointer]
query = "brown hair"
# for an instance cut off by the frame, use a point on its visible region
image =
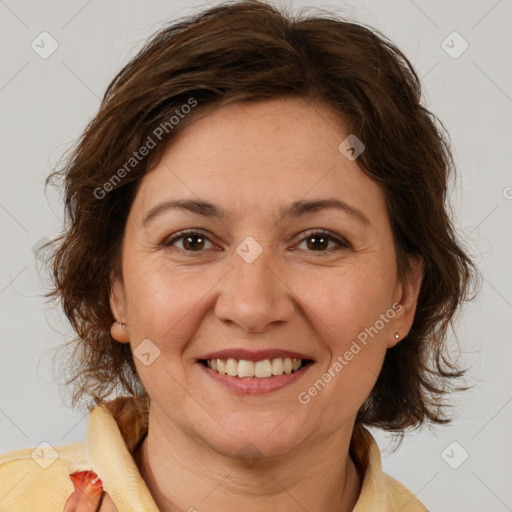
(250, 51)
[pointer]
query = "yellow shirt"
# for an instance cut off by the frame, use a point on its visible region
(101, 470)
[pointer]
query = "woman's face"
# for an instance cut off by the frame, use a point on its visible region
(253, 278)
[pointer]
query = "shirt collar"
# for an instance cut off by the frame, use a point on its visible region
(113, 432)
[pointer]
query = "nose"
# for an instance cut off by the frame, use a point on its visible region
(256, 294)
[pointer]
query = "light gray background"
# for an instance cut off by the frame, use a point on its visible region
(46, 103)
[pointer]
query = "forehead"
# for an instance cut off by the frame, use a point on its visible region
(261, 156)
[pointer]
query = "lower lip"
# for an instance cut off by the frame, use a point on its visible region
(256, 386)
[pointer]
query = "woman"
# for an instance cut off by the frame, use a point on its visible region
(258, 255)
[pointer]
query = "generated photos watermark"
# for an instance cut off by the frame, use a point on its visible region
(156, 136)
(304, 397)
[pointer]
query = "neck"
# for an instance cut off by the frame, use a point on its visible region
(183, 474)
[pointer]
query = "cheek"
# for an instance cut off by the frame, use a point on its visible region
(165, 306)
(345, 301)
(162, 300)
(345, 312)
(340, 307)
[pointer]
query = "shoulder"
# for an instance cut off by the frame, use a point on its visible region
(39, 478)
(401, 497)
(379, 491)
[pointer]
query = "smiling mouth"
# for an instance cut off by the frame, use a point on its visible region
(264, 369)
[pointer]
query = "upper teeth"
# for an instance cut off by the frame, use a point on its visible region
(259, 369)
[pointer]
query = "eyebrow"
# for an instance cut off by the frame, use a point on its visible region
(295, 210)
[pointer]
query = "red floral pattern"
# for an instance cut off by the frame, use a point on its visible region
(89, 495)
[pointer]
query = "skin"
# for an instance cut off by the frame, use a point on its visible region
(252, 160)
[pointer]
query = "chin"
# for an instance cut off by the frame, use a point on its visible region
(253, 438)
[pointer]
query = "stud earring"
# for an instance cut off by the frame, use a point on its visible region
(397, 336)
(122, 324)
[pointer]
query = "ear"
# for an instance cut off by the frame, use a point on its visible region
(118, 308)
(406, 299)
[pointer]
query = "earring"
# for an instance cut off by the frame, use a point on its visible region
(122, 324)
(397, 336)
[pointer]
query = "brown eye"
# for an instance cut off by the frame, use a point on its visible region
(318, 241)
(193, 241)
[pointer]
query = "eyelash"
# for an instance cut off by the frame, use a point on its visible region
(343, 244)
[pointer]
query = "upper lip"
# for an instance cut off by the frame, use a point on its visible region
(254, 355)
